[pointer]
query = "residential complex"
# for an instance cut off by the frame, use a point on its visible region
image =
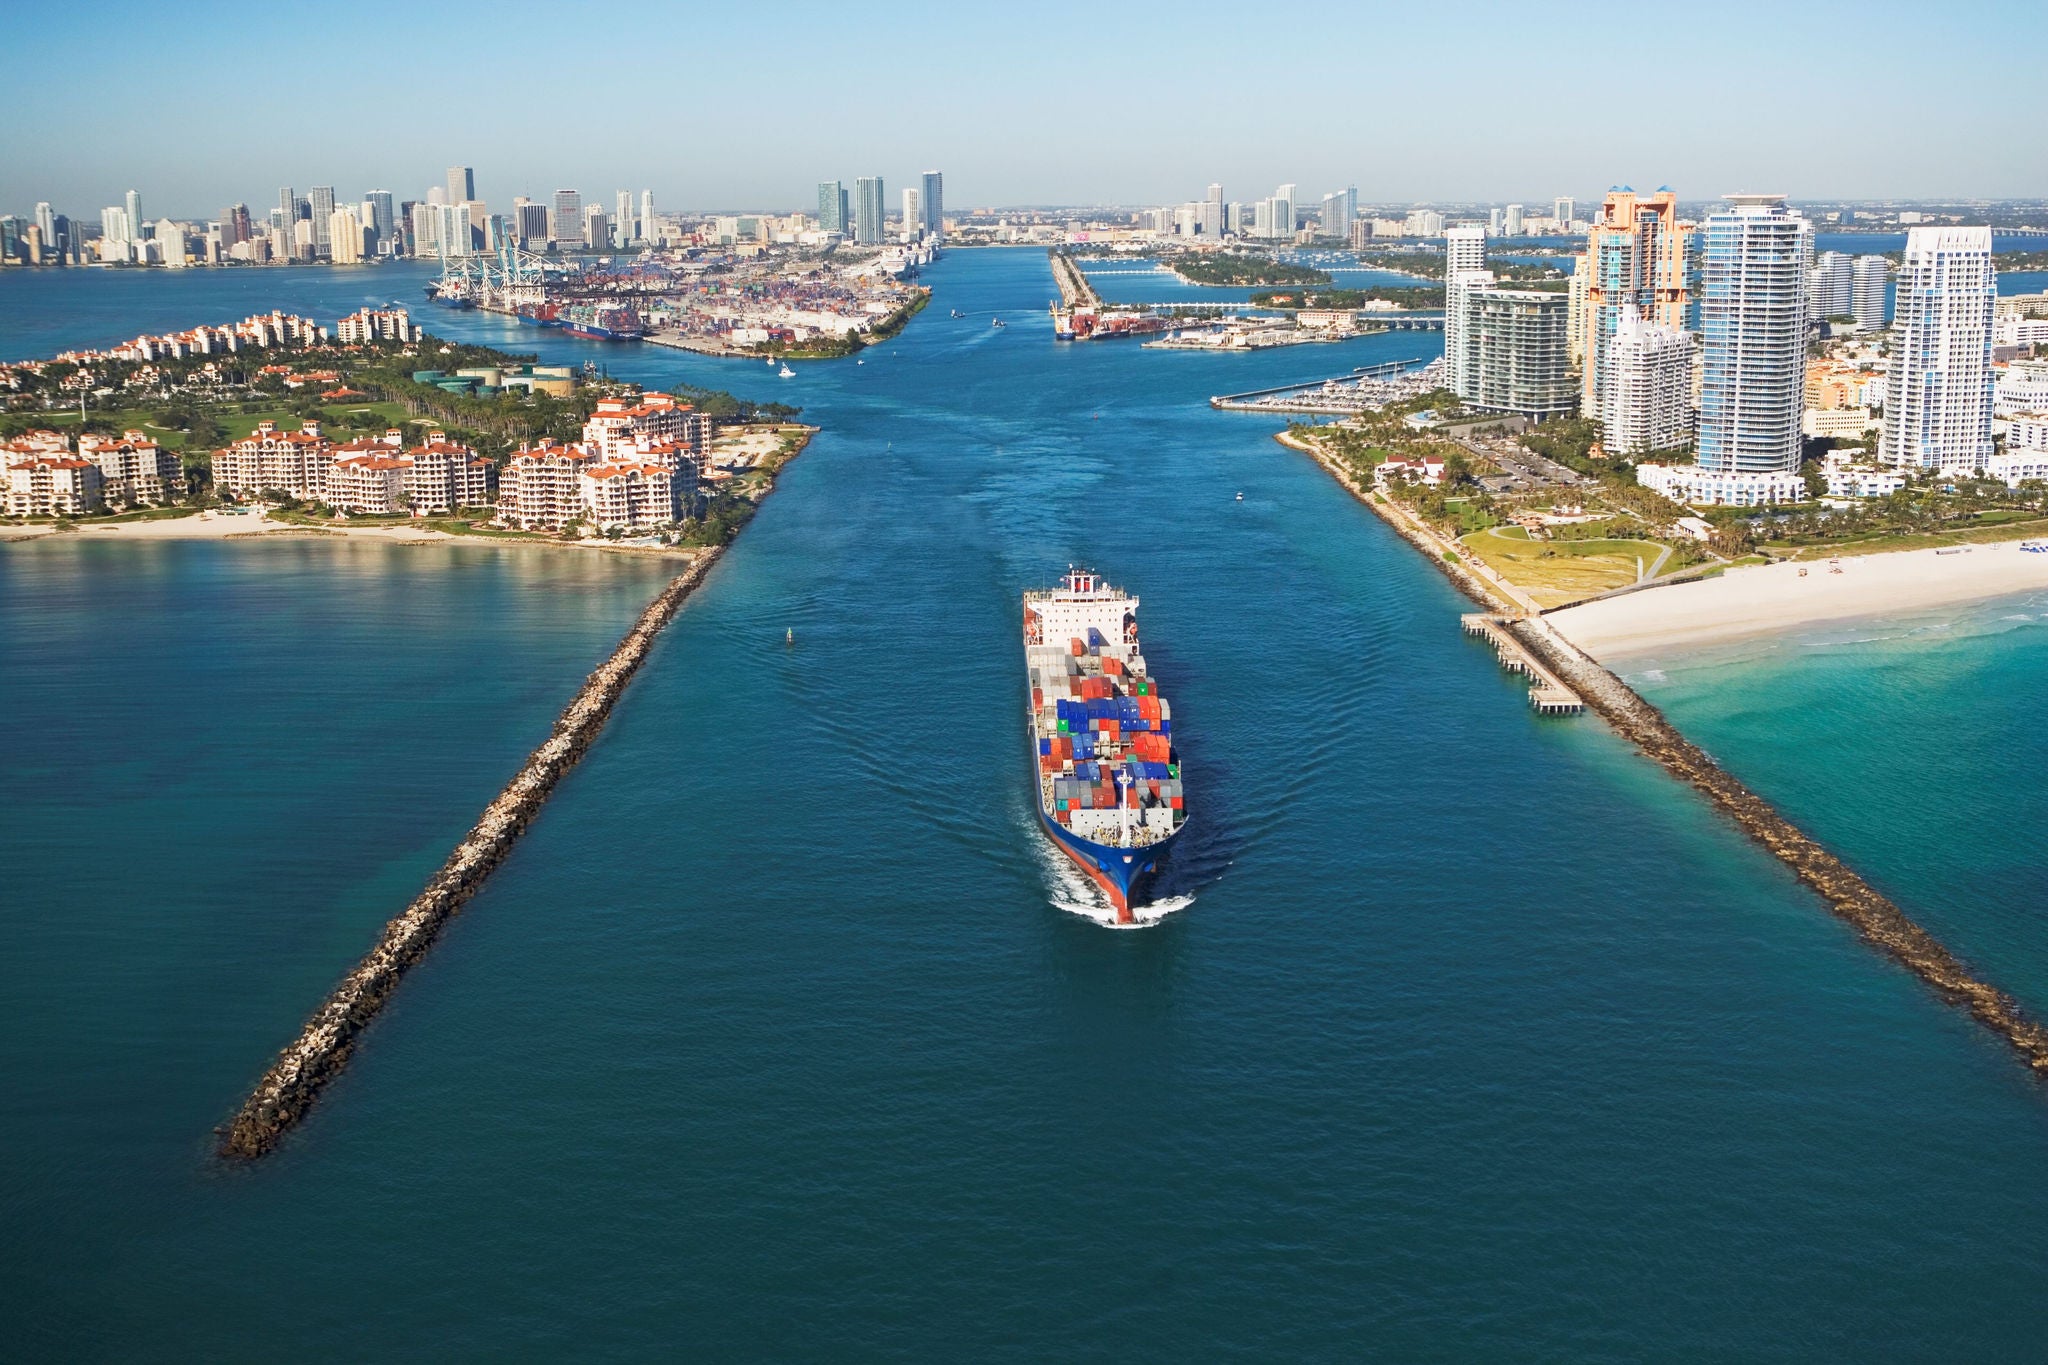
(1464, 269)
(1517, 345)
(371, 477)
(1868, 278)
(1753, 337)
(1645, 399)
(1638, 259)
(1938, 403)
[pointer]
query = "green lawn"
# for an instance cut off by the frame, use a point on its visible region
(1555, 572)
(231, 417)
(1985, 533)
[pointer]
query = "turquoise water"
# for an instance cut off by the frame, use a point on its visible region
(1930, 722)
(778, 1036)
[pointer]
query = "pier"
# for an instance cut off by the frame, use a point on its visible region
(294, 1081)
(1547, 693)
(1075, 291)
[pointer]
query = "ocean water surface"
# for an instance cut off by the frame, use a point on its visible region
(1477, 1036)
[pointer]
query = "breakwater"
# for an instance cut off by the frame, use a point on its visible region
(293, 1082)
(1873, 915)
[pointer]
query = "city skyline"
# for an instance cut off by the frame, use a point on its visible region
(1408, 142)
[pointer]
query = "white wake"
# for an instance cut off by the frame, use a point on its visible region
(1072, 891)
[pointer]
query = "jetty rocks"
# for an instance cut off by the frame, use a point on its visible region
(1873, 915)
(1882, 924)
(289, 1088)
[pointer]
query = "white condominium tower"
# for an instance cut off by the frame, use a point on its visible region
(1753, 337)
(1868, 277)
(1464, 269)
(1646, 399)
(1937, 408)
(1830, 287)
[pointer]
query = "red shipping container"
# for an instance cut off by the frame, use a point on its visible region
(1176, 802)
(1077, 647)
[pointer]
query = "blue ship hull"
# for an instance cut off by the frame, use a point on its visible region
(1120, 872)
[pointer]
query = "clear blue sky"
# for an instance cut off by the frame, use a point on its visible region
(749, 105)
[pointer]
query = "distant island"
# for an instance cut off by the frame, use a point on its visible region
(1236, 269)
(279, 424)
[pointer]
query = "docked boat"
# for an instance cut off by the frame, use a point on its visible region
(448, 295)
(601, 321)
(1108, 774)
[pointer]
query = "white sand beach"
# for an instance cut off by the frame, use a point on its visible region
(1758, 600)
(252, 525)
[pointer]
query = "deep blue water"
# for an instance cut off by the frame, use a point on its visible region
(1479, 1038)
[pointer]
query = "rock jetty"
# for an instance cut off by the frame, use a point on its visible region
(1873, 915)
(322, 1048)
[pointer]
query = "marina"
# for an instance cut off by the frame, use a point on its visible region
(1365, 389)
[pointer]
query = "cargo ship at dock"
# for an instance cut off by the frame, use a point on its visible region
(600, 321)
(1108, 775)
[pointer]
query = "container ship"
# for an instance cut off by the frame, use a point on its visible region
(1089, 324)
(449, 294)
(542, 314)
(600, 321)
(1109, 777)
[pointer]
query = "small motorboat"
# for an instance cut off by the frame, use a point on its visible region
(787, 373)
(1240, 497)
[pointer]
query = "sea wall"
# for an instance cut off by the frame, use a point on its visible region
(1873, 915)
(289, 1088)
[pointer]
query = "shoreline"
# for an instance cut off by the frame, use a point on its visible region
(215, 524)
(1880, 922)
(1761, 600)
(212, 525)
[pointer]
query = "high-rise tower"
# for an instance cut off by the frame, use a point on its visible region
(867, 210)
(1938, 394)
(931, 199)
(1753, 337)
(1636, 257)
(1867, 280)
(1464, 269)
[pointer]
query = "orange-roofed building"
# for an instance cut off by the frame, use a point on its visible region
(54, 486)
(294, 463)
(135, 469)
